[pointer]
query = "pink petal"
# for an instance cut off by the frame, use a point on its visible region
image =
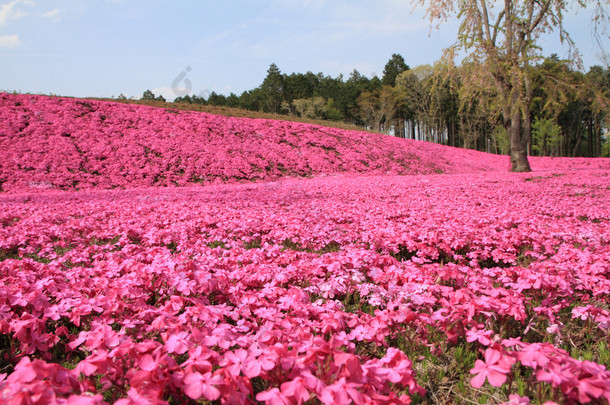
(24, 373)
(356, 396)
(210, 392)
(296, 388)
(478, 380)
(193, 385)
(492, 356)
(252, 369)
(84, 400)
(86, 368)
(479, 365)
(147, 363)
(496, 378)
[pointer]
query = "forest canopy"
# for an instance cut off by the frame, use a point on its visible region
(435, 103)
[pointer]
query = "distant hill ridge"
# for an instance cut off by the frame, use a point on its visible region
(65, 143)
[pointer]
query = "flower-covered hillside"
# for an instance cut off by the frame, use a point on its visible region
(62, 143)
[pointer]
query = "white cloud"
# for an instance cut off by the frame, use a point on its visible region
(9, 12)
(167, 92)
(9, 41)
(53, 15)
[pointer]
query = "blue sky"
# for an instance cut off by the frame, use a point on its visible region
(102, 48)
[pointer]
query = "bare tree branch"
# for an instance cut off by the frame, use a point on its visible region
(496, 27)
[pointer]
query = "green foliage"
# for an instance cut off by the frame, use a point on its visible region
(546, 135)
(253, 244)
(273, 90)
(330, 247)
(9, 253)
(216, 99)
(500, 138)
(605, 149)
(444, 103)
(218, 243)
(104, 241)
(194, 99)
(150, 96)
(252, 100)
(395, 66)
(332, 112)
(313, 108)
(377, 108)
(354, 303)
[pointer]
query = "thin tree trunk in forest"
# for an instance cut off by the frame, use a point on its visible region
(577, 146)
(544, 151)
(591, 140)
(452, 132)
(598, 130)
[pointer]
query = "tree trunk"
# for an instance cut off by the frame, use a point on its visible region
(591, 143)
(598, 131)
(519, 137)
(577, 146)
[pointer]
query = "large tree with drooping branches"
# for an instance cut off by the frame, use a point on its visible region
(502, 38)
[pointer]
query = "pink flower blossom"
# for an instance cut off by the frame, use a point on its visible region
(495, 368)
(296, 389)
(202, 385)
(273, 397)
(482, 336)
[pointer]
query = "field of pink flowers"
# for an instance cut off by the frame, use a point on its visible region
(70, 144)
(373, 288)
(343, 290)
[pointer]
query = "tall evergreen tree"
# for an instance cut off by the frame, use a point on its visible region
(273, 90)
(395, 66)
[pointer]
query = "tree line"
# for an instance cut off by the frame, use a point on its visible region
(442, 103)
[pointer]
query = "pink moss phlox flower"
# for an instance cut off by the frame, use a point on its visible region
(342, 393)
(273, 397)
(534, 355)
(177, 343)
(480, 335)
(495, 368)
(514, 399)
(296, 389)
(205, 385)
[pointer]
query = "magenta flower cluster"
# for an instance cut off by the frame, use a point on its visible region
(297, 290)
